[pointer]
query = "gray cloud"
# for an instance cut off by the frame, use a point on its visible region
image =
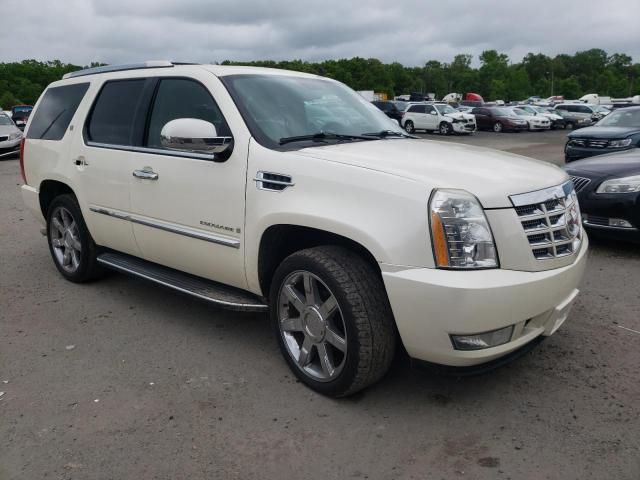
(410, 31)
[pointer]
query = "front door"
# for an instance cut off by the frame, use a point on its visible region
(431, 118)
(188, 209)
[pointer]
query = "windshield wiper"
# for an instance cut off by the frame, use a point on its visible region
(321, 136)
(388, 133)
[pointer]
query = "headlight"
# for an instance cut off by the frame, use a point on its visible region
(13, 136)
(620, 185)
(620, 143)
(460, 232)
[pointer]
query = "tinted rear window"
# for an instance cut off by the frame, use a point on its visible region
(55, 111)
(113, 114)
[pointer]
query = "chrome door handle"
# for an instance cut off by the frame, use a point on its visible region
(145, 174)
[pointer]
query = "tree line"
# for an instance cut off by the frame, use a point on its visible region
(496, 77)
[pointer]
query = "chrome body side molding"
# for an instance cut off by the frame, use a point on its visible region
(168, 227)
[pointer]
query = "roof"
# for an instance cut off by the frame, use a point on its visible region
(218, 70)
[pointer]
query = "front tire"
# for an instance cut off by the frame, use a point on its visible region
(332, 319)
(408, 126)
(73, 250)
(445, 128)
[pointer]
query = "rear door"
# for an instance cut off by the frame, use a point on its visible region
(102, 159)
(190, 216)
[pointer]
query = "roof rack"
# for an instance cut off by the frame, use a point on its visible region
(119, 68)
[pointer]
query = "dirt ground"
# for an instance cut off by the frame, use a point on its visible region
(121, 379)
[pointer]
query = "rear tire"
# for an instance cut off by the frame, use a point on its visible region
(497, 127)
(408, 126)
(72, 249)
(332, 320)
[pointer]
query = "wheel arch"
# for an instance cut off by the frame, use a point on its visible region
(50, 189)
(281, 240)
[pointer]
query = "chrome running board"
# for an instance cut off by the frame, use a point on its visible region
(216, 293)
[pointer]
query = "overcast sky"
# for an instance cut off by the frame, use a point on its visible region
(410, 32)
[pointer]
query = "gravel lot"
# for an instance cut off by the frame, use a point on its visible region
(124, 380)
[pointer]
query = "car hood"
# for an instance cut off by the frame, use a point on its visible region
(8, 129)
(604, 132)
(617, 164)
(551, 116)
(490, 175)
(460, 116)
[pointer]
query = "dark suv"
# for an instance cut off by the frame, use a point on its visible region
(498, 119)
(391, 109)
(620, 130)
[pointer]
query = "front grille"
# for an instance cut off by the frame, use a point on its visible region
(4, 138)
(551, 221)
(580, 183)
(589, 143)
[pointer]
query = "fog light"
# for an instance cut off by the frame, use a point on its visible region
(619, 222)
(482, 340)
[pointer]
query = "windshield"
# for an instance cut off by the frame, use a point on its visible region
(277, 107)
(622, 118)
(445, 109)
(4, 120)
(400, 105)
(503, 112)
(520, 112)
(540, 110)
(601, 109)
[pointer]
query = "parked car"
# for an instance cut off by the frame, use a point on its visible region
(465, 109)
(391, 109)
(577, 115)
(438, 117)
(556, 120)
(10, 137)
(283, 192)
(534, 121)
(20, 115)
(608, 188)
(618, 131)
(498, 119)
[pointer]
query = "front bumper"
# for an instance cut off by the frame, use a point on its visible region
(429, 305)
(10, 147)
(598, 209)
(534, 126)
(572, 153)
(460, 127)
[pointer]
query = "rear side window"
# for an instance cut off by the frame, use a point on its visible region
(417, 109)
(114, 112)
(182, 98)
(55, 111)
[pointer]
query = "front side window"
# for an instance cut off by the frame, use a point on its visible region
(428, 109)
(113, 115)
(183, 98)
(277, 107)
(55, 111)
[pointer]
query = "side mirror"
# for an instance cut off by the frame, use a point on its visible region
(194, 136)
(432, 112)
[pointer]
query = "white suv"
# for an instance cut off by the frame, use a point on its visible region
(438, 117)
(282, 192)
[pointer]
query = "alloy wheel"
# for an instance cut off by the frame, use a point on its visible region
(65, 239)
(312, 326)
